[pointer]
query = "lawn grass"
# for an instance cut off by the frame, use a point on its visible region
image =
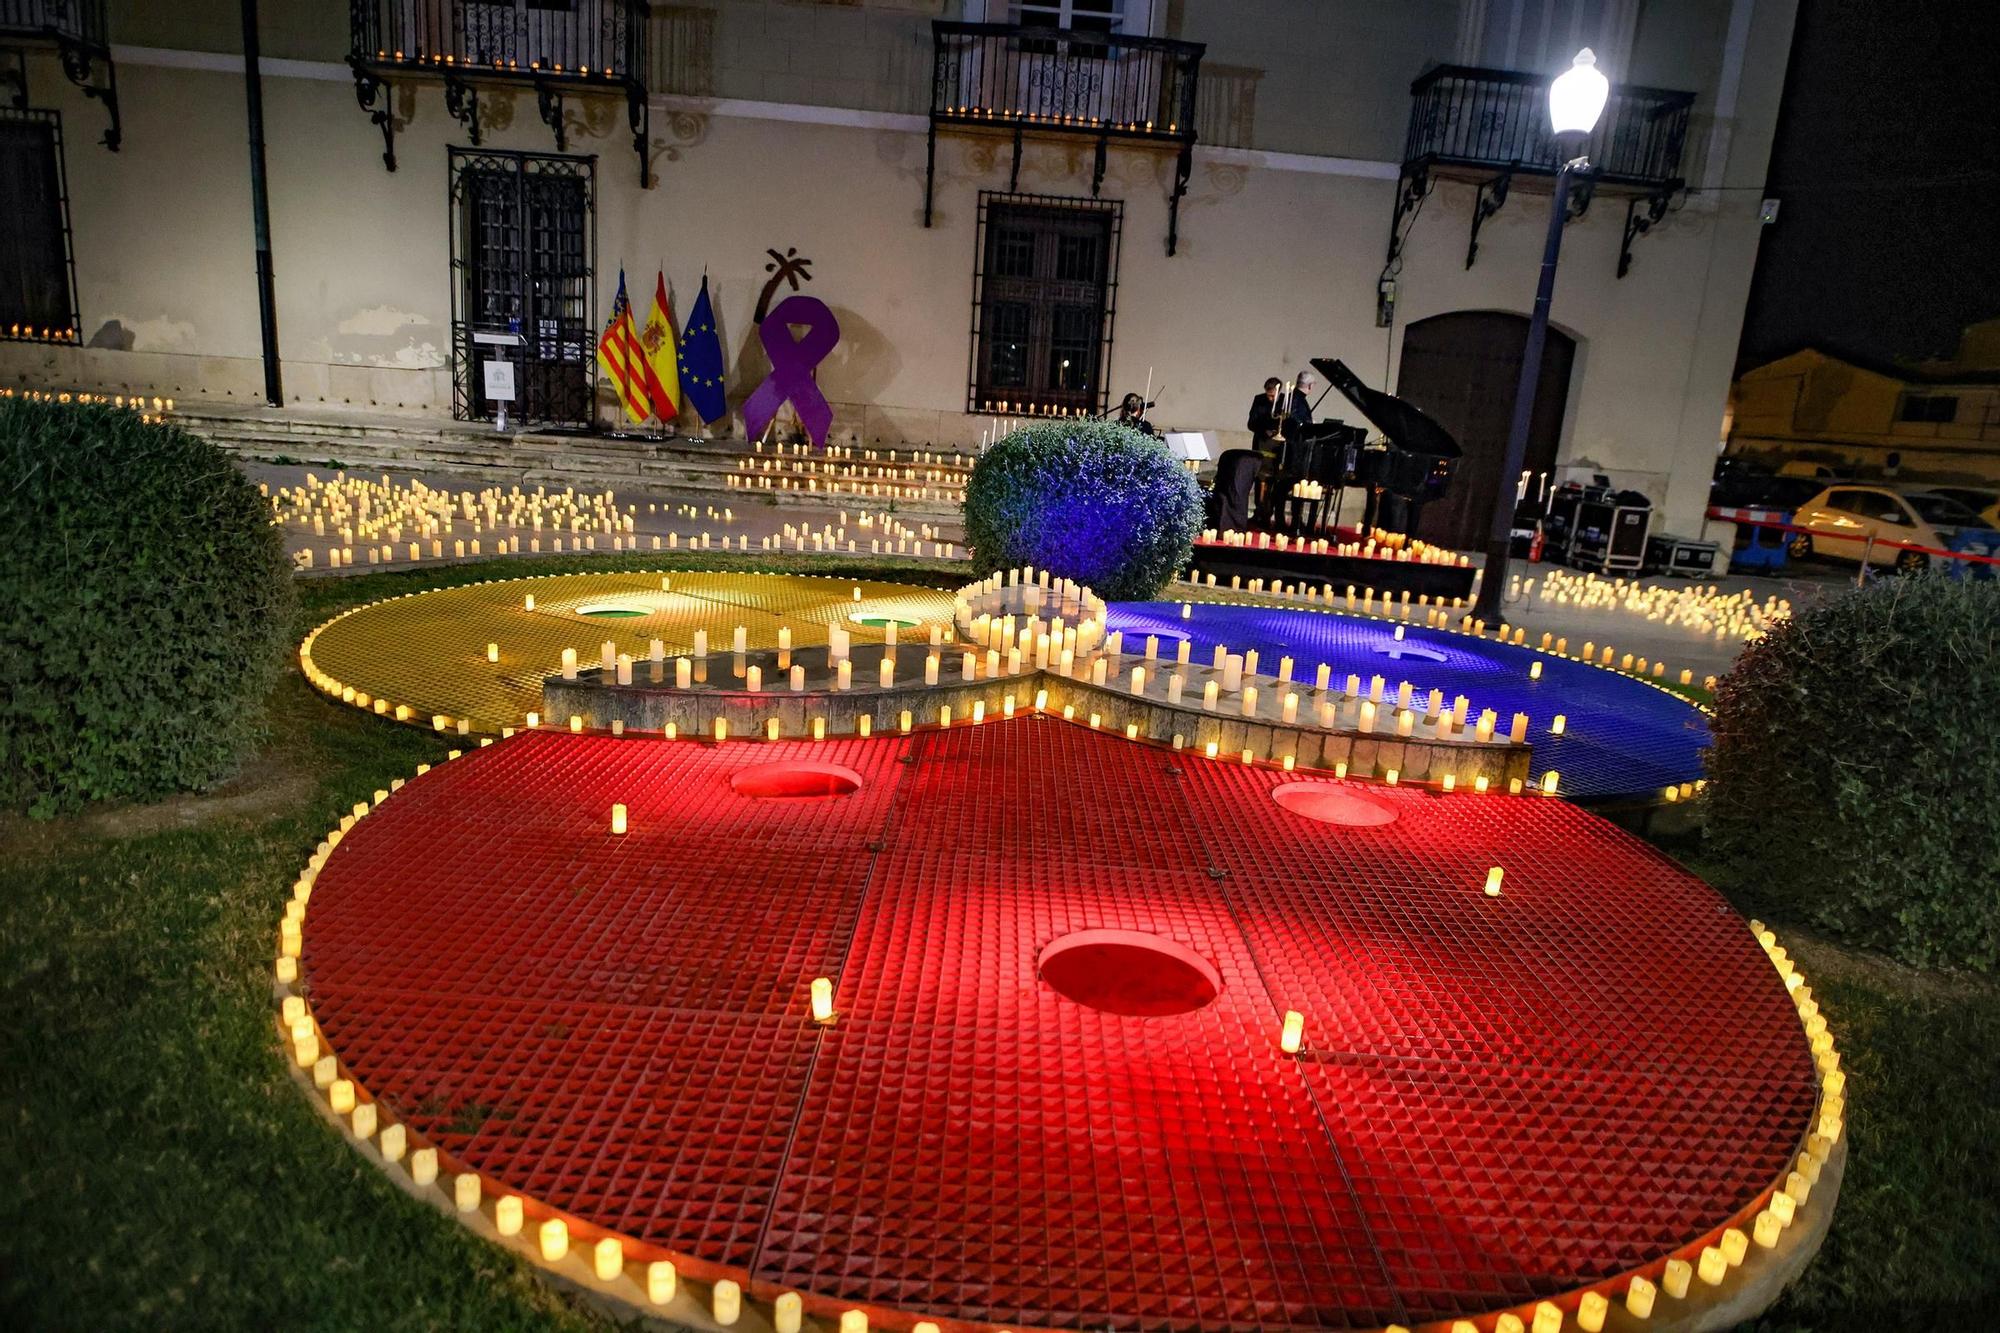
(163, 1171)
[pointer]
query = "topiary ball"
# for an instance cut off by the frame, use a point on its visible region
(1855, 759)
(149, 608)
(1093, 501)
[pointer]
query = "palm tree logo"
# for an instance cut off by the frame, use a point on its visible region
(786, 267)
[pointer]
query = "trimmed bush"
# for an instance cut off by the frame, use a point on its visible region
(1093, 501)
(149, 607)
(1855, 773)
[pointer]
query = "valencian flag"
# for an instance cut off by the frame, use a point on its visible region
(662, 356)
(701, 361)
(624, 361)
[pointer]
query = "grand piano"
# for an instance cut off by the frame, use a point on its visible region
(1408, 462)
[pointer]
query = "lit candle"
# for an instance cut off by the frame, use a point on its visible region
(726, 1302)
(1494, 875)
(618, 818)
(1292, 1034)
(554, 1239)
(1209, 694)
(568, 663)
(822, 999)
(492, 652)
(843, 675)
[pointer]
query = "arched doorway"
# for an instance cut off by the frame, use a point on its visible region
(1461, 369)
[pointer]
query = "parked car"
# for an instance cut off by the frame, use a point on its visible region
(1981, 500)
(1841, 519)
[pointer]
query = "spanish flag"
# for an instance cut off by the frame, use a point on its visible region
(624, 362)
(662, 355)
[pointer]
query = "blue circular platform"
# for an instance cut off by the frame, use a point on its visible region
(1622, 737)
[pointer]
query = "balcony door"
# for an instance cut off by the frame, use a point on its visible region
(1071, 76)
(524, 283)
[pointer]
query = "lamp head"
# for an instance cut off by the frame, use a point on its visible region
(1576, 99)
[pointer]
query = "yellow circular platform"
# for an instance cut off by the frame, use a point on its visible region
(423, 658)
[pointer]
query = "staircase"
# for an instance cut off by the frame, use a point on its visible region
(426, 446)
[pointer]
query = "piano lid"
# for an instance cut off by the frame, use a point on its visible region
(1401, 424)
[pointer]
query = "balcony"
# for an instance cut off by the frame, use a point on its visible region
(77, 32)
(1102, 86)
(560, 48)
(1492, 126)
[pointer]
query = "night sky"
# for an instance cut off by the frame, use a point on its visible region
(1888, 164)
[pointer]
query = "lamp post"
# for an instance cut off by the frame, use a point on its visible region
(1576, 100)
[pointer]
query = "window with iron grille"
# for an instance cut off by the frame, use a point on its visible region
(37, 276)
(1043, 303)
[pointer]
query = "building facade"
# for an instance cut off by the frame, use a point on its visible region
(1922, 421)
(1189, 194)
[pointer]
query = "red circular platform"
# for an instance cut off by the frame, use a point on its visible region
(1499, 1098)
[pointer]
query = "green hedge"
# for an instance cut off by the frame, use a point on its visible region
(1087, 500)
(150, 604)
(1855, 773)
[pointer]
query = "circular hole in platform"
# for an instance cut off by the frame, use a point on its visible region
(793, 781)
(1330, 804)
(882, 619)
(613, 610)
(1129, 972)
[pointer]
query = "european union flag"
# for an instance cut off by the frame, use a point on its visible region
(701, 360)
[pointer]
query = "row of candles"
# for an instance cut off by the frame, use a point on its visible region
(451, 60)
(1376, 545)
(47, 333)
(1074, 119)
(1438, 616)
(152, 409)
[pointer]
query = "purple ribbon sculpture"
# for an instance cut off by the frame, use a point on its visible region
(792, 362)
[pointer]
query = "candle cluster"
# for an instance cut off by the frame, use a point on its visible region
(149, 409)
(387, 521)
(1375, 545)
(1699, 608)
(914, 474)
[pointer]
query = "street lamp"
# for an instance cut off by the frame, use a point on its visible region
(1576, 100)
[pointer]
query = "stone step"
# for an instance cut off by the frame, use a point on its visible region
(585, 462)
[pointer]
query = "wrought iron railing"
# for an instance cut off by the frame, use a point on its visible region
(1055, 78)
(1100, 85)
(1462, 116)
(80, 21)
(560, 47)
(82, 40)
(580, 40)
